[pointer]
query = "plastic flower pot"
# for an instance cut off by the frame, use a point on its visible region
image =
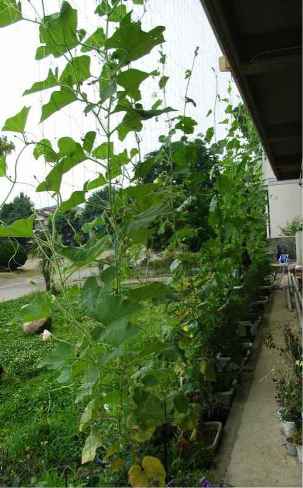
(291, 448)
(279, 413)
(288, 427)
(225, 398)
(247, 345)
(261, 302)
(211, 432)
(299, 453)
(222, 362)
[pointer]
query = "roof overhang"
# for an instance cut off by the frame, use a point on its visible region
(262, 42)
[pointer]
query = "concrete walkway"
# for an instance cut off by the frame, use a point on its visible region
(252, 452)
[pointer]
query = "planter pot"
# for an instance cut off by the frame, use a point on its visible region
(291, 449)
(247, 346)
(254, 329)
(222, 362)
(266, 288)
(225, 398)
(246, 358)
(288, 428)
(226, 381)
(211, 432)
(299, 453)
(261, 302)
(251, 327)
(279, 414)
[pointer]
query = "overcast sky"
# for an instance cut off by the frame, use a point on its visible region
(186, 27)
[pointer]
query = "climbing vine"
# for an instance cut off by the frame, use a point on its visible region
(134, 393)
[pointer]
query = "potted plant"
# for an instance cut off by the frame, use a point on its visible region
(210, 433)
(291, 446)
(297, 438)
(222, 362)
(288, 394)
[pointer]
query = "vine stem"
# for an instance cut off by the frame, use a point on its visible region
(189, 79)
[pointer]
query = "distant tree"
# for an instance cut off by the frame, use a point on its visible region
(20, 208)
(6, 147)
(68, 225)
(291, 228)
(188, 165)
(95, 205)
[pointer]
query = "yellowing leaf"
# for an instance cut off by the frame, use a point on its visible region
(91, 445)
(154, 471)
(137, 477)
(87, 415)
(117, 464)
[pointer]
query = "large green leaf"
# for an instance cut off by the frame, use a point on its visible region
(130, 80)
(104, 151)
(71, 154)
(75, 199)
(76, 71)
(186, 124)
(149, 291)
(149, 114)
(95, 41)
(103, 305)
(17, 122)
(2, 165)
(119, 332)
(58, 100)
(60, 357)
(96, 183)
(116, 163)
(131, 42)
(88, 141)
(40, 307)
(115, 13)
(49, 82)
(131, 122)
(107, 82)
(59, 31)
(44, 148)
(19, 228)
(83, 255)
(144, 219)
(42, 52)
(10, 12)
(181, 402)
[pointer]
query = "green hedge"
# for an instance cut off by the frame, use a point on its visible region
(12, 254)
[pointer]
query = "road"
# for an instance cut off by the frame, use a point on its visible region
(25, 280)
(28, 279)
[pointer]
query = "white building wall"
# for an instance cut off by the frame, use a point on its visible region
(285, 200)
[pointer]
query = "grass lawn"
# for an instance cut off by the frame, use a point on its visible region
(40, 443)
(38, 418)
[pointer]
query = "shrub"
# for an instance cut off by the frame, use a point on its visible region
(12, 254)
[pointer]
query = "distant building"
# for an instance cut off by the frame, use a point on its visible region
(42, 216)
(285, 200)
